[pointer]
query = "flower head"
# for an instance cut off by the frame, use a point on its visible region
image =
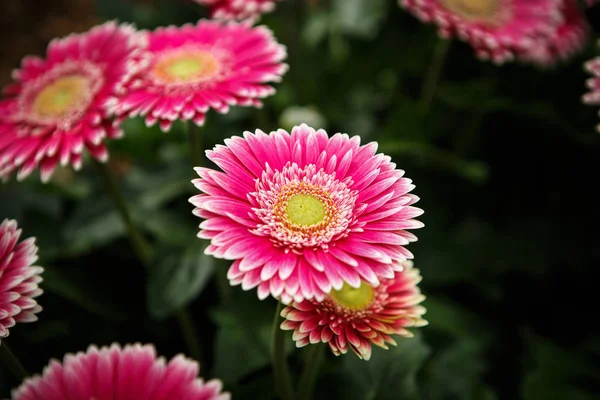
(302, 213)
(593, 96)
(198, 67)
(570, 37)
(57, 108)
(238, 9)
(356, 317)
(18, 278)
(496, 29)
(110, 373)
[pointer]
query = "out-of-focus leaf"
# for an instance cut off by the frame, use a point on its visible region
(557, 373)
(358, 17)
(474, 171)
(473, 95)
(456, 373)
(177, 279)
(296, 115)
(388, 375)
(316, 29)
(94, 223)
(79, 289)
(243, 337)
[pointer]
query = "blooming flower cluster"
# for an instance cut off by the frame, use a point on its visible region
(238, 9)
(535, 31)
(320, 223)
(19, 278)
(76, 98)
(110, 373)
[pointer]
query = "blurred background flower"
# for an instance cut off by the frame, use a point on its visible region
(110, 373)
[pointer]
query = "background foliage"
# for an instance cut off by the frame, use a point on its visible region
(505, 163)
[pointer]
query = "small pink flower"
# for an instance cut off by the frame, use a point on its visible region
(112, 373)
(57, 108)
(19, 279)
(569, 38)
(303, 213)
(496, 29)
(356, 317)
(198, 67)
(593, 96)
(238, 9)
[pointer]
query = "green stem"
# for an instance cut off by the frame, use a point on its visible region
(144, 253)
(283, 382)
(433, 75)
(196, 144)
(12, 362)
(141, 247)
(311, 369)
(190, 333)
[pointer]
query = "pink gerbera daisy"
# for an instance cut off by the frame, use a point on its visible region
(496, 29)
(58, 106)
(356, 317)
(111, 373)
(569, 38)
(198, 67)
(303, 213)
(593, 96)
(238, 9)
(18, 278)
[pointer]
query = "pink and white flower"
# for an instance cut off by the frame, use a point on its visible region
(353, 318)
(496, 29)
(593, 96)
(57, 108)
(110, 373)
(303, 213)
(568, 39)
(194, 68)
(19, 278)
(238, 9)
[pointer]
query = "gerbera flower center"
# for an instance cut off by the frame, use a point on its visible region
(62, 97)
(474, 10)
(303, 207)
(354, 299)
(305, 210)
(186, 66)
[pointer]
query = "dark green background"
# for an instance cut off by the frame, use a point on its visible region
(506, 163)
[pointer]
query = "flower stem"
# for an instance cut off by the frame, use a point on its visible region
(141, 247)
(311, 369)
(190, 333)
(143, 251)
(12, 362)
(433, 74)
(196, 144)
(283, 382)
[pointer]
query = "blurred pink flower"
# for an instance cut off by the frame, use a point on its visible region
(111, 373)
(194, 68)
(303, 213)
(593, 96)
(18, 278)
(238, 9)
(496, 29)
(569, 38)
(356, 317)
(58, 106)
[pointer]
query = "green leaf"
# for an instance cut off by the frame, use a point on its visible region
(556, 372)
(78, 287)
(244, 336)
(177, 279)
(358, 17)
(388, 375)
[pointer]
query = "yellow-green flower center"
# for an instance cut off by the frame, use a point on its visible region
(305, 210)
(355, 299)
(474, 10)
(186, 67)
(61, 97)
